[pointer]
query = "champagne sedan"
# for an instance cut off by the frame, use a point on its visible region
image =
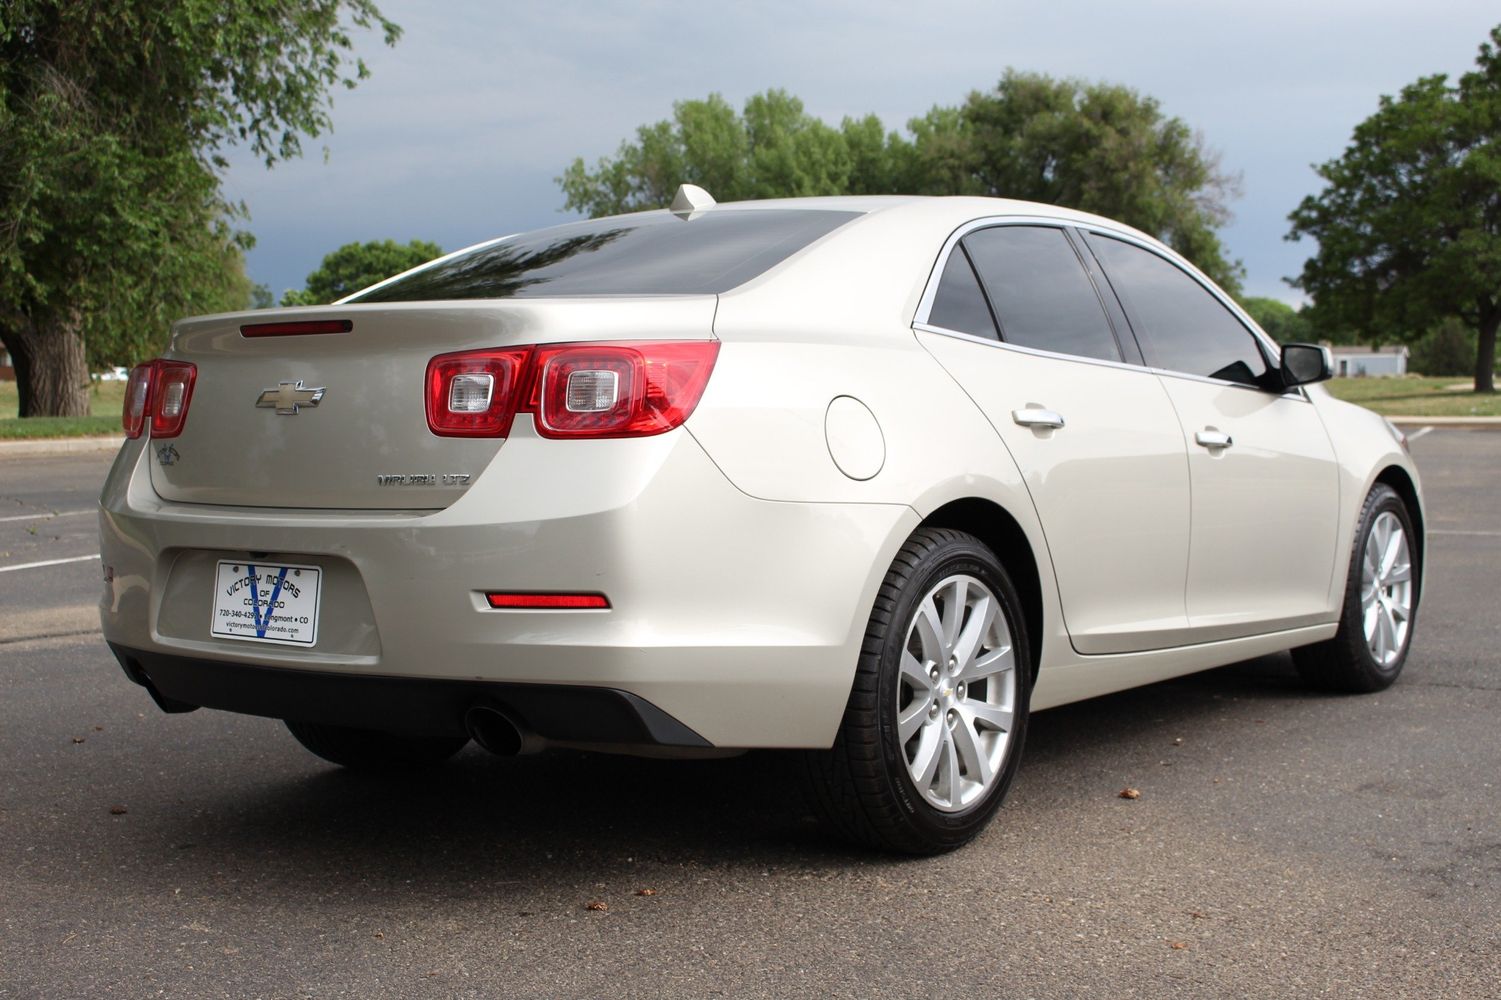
(867, 478)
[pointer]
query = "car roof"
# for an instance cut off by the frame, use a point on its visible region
(954, 209)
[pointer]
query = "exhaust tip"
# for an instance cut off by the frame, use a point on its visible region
(494, 730)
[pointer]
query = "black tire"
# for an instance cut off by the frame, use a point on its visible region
(372, 750)
(1346, 663)
(862, 786)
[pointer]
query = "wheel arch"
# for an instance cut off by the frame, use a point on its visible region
(993, 525)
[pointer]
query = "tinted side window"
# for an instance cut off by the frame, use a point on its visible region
(959, 304)
(1186, 328)
(1040, 292)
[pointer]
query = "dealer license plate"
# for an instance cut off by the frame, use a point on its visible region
(266, 603)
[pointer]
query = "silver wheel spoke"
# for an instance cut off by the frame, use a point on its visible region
(911, 719)
(925, 761)
(981, 617)
(993, 715)
(948, 783)
(992, 662)
(916, 674)
(929, 628)
(976, 764)
(953, 613)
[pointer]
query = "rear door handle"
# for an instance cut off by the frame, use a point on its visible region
(1211, 438)
(1037, 416)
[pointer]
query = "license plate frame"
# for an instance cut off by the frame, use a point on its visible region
(244, 594)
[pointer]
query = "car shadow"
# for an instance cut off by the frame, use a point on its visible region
(484, 821)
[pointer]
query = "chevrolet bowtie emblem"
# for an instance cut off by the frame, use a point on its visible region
(287, 397)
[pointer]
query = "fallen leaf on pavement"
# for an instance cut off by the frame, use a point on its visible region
(1130, 793)
(117, 810)
(646, 892)
(598, 906)
(1177, 945)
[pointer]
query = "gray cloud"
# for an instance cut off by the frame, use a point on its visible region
(461, 128)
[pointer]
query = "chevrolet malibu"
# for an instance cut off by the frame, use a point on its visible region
(871, 478)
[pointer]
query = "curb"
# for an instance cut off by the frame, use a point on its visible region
(59, 446)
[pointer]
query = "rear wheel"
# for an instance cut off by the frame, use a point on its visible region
(373, 750)
(1381, 596)
(933, 730)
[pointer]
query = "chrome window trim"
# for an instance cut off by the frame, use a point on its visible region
(1033, 351)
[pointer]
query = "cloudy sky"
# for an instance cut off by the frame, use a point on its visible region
(463, 125)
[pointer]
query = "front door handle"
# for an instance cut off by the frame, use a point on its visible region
(1211, 438)
(1037, 416)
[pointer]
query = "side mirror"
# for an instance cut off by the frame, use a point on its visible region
(1305, 363)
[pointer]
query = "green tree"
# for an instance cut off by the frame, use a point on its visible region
(1447, 349)
(359, 265)
(114, 121)
(1097, 147)
(1106, 149)
(1409, 224)
(774, 149)
(1282, 322)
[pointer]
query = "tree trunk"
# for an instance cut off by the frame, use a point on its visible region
(1485, 355)
(52, 370)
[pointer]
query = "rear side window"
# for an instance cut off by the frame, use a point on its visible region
(960, 304)
(1186, 329)
(651, 253)
(1040, 292)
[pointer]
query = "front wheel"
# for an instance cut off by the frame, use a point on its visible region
(933, 730)
(1381, 597)
(373, 750)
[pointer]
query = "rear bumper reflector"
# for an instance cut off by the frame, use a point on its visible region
(561, 601)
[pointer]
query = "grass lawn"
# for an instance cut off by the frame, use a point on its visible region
(1417, 396)
(105, 400)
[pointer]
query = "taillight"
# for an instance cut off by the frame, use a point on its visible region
(158, 391)
(137, 399)
(474, 393)
(619, 390)
(170, 397)
(573, 390)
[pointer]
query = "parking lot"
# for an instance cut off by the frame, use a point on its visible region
(1284, 844)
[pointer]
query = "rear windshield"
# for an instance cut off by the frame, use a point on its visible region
(652, 253)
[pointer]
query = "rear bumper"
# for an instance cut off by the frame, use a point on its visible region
(739, 618)
(555, 712)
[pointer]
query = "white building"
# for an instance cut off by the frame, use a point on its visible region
(1355, 361)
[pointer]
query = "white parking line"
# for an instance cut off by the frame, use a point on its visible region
(1419, 433)
(45, 515)
(48, 562)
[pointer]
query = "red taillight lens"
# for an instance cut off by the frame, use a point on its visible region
(170, 396)
(573, 390)
(137, 399)
(561, 601)
(475, 393)
(619, 390)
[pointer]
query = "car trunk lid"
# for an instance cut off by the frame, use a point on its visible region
(260, 433)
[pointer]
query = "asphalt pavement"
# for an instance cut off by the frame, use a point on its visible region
(1285, 844)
